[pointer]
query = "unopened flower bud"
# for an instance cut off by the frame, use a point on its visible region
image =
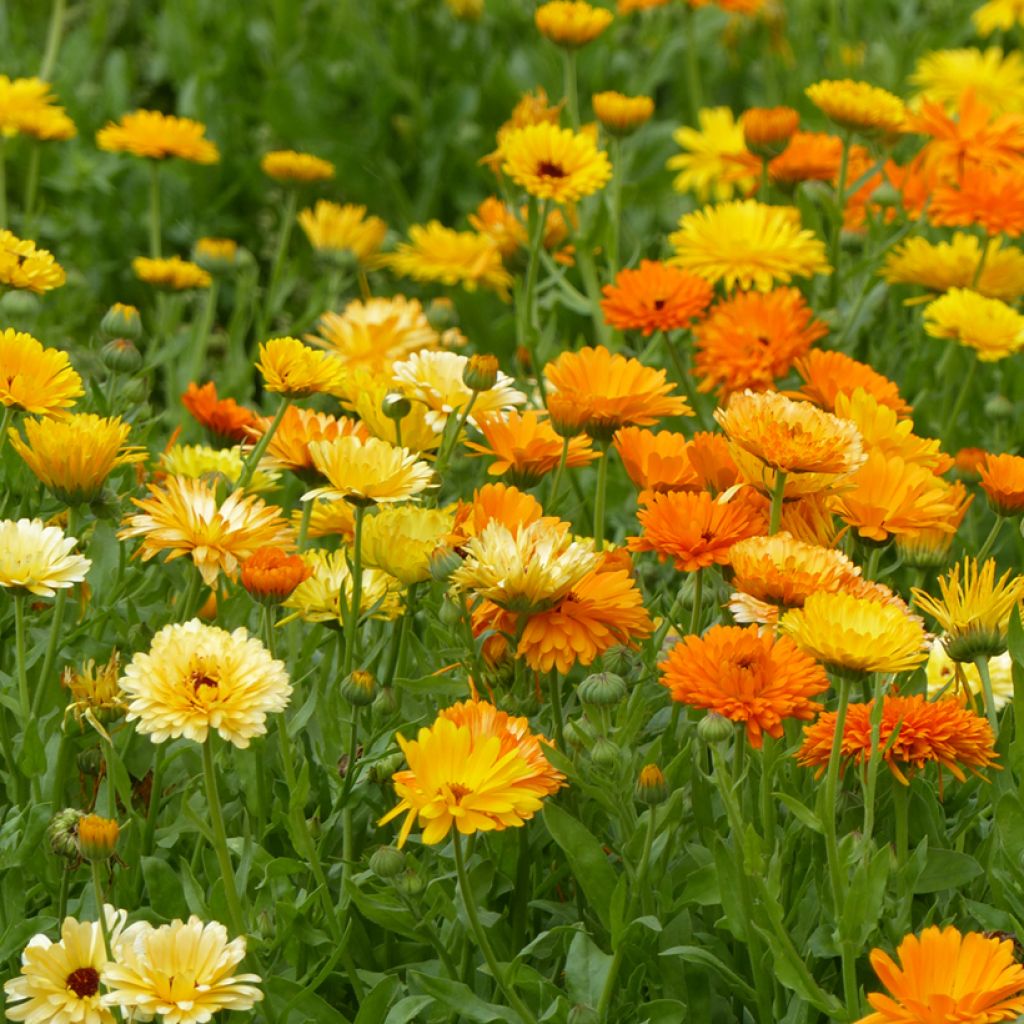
(604, 752)
(382, 770)
(395, 406)
(386, 701)
(714, 728)
(409, 882)
(450, 612)
(999, 407)
(62, 833)
(885, 195)
(216, 255)
(120, 355)
(480, 373)
(441, 315)
(97, 837)
(359, 688)
(443, 562)
(603, 689)
(651, 787)
(387, 861)
(121, 321)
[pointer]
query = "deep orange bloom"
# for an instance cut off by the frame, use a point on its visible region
(946, 976)
(810, 156)
(270, 574)
(612, 391)
(746, 676)
(1002, 480)
(766, 128)
(968, 463)
(827, 374)
(712, 461)
(289, 447)
(992, 198)
(655, 297)
(223, 417)
(751, 338)
(525, 447)
(493, 503)
(694, 529)
(656, 462)
(943, 731)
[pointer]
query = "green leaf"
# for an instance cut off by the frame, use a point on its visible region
(946, 869)
(586, 968)
(699, 955)
(300, 1005)
(863, 905)
(165, 889)
(407, 1009)
(460, 999)
(586, 858)
(800, 812)
(375, 1005)
(662, 1011)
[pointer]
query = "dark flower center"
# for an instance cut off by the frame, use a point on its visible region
(659, 303)
(459, 791)
(84, 981)
(546, 169)
(201, 679)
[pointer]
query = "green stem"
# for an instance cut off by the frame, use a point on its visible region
(153, 810)
(698, 600)
(475, 665)
(201, 337)
(556, 481)
(3, 182)
(480, 934)
(53, 35)
(252, 460)
(190, 602)
(990, 540)
(56, 631)
(961, 396)
(592, 287)
(19, 648)
(900, 797)
(18, 782)
(352, 626)
(980, 268)
(570, 89)
(220, 839)
(600, 498)
(307, 512)
(556, 711)
(693, 87)
(837, 237)
(529, 332)
(283, 238)
(104, 928)
(986, 684)
(452, 439)
(831, 792)
(871, 783)
(155, 248)
(31, 189)
(62, 895)
(615, 202)
(778, 494)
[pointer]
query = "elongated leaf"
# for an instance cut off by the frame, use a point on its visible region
(586, 857)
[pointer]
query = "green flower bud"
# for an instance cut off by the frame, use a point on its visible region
(395, 406)
(999, 407)
(387, 861)
(409, 882)
(121, 321)
(450, 612)
(651, 787)
(62, 833)
(604, 753)
(714, 728)
(441, 315)
(603, 689)
(359, 688)
(443, 562)
(121, 356)
(480, 373)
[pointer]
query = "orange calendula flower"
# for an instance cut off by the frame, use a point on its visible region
(827, 375)
(223, 417)
(554, 163)
(525, 447)
(973, 977)
(655, 297)
(622, 115)
(913, 733)
(656, 462)
(1002, 480)
(571, 23)
(476, 769)
(295, 370)
(694, 529)
(746, 676)
(993, 199)
(497, 220)
(752, 338)
(34, 378)
(289, 165)
(148, 133)
(493, 503)
(289, 447)
(174, 273)
(858, 105)
(766, 130)
(270, 574)
(712, 461)
(810, 156)
(610, 391)
(27, 268)
(184, 517)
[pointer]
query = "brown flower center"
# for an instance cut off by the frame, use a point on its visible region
(547, 169)
(659, 303)
(201, 679)
(84, 982)
(459, 791)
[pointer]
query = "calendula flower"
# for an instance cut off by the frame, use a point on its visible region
(940, 266)
(1002, 480)
(335, 230)
(827, 375)
(222, 417)
(34, 378)
(148, 133)
(554, 163)
(174, 274)
(857, 634)
(769, 433)
(532, 108)
(368, 397)
(749, 244)
(858, 106)
(73, 456)
(656, 462)
(38, 558)
(217, 255)
(946, 677)
(195, 678)
(694, 529)
(497, 220)
(715, 163)
(746, 676)
(399, 539)
(367, 471)
(998, 15)
(883, 432)
(972, 976)
(295, 370)
(94, 691)
(974, 612)
(750, 339)
(435, 379)
(437, 253)
(995, 77)
(291, 166)
(61, 982)
(25, 267)
(493, 503)
(571, 23)
(813, 156)
(992, 199)
(992, 328)
(183, 971)
(28, 107)
(525, 447)
(270, 574)
(200, 461)
(610, 391)
(621, 115)
(913, 732)
(655, 297)
(289, 446)
(477, 769)
(523, 569)
(766, 130)
(184, 517)
(319, 597)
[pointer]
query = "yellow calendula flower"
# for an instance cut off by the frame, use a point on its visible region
(989, 326)
(196, 677)
(216, 255)
(946, 676)
(328, 519)
(996, 78)
(335, 230)
(319, 598)
(28, 107)
(437, 253)
(524, 569)
(367, 471)
(857, 634)
(975, 608)
(295, 370)
(200, 461)
(94, 692)
(998, 16)
(858, 106)
(554, 163)
(182, 971)
(34, 378)
(715, 163)
(368, 396)
(882, 430)
(38, 558)
(621, 114)
(148, 133)
(26, 268)
(571, 23)
(174, 273)
(289, 165)
(73, 456)
(400, 538)
(749, 244)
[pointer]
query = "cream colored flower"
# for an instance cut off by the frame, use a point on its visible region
(38, 558)
(368, 471)
(318, 599)
(946, 676)
(400, 538)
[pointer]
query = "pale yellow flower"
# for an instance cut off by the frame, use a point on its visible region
(399, 539)
(367, 471)
(38, 558)
(318, 599)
